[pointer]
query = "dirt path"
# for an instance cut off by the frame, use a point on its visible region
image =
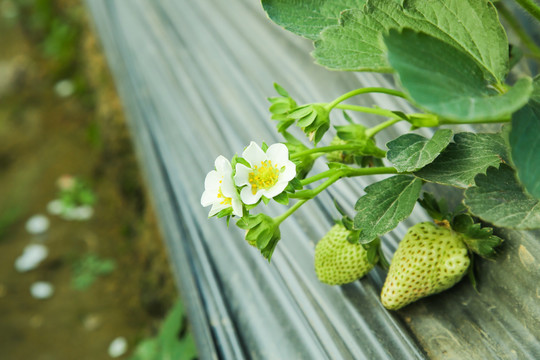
(43, 136)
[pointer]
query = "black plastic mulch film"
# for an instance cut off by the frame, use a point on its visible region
(194, 77)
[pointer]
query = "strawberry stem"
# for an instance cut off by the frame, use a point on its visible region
(344, 172)
(324, 149)
(374, 130)
(333, 176)
(361, 91)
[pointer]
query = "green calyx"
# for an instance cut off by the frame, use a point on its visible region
(262, 232)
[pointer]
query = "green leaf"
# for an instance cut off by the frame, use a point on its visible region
(295, 182)
(437, 209)
(478, 239)
(282, 198)
(248, 222)
(263, 233)
(171, 326)
(354, 45)
(349, 225)
(307, 17)
(171, 345)
(300, 112)
(372, 253)
(385, 205)
(87, 270)
(412, 152)
(280, 90)
(470, 25)
(516, 54)
(348, 117)
(147, 349)
(473, 26)
(525, 142)
(305, 120)
(242, 161)
(280, 107)
(224, 212)
(499, 199)
(270, 247)
(185, 349)
(470, 154)
(447, 81)
(172, 342)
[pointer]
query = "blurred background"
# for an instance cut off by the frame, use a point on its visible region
(83, 271)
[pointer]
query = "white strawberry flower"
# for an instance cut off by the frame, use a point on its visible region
(268, 175)
(219, 189)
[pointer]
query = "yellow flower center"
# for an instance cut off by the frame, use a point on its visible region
(264, 176)
(226, 200)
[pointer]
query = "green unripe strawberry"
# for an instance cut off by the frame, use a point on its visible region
(337, 261)
(428, 260)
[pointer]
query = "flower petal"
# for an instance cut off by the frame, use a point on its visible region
(278, 153)
(242, 175)
(227, 187)
(289, 173)
(212, 180)
(217, 207)
(248, 197)
(223, 166)
(274, 190)
(209, 197)
(237, 207)
(254, 154)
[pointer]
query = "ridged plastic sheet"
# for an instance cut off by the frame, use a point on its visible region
(194, 77)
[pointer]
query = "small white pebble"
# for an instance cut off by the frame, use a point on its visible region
(37, 224)
(64, 88)
(9, 9)
(31, 257)
(118, 347)
(55, 207)
(41, 290)
(83, 212)
(92, 322)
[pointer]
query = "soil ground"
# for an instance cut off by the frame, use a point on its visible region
(43, 136)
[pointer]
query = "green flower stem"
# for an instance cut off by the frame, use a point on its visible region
(374, 130)
(310, 194)
(368, 110)
(323, 149)
(352, 172)
(518, 29)
(459, 122)
(306, 195)
(350, 94)
(317, 177)
(279, 219)
(336, 174)
(530, 7)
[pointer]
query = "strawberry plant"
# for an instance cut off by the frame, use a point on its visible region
(451, 60)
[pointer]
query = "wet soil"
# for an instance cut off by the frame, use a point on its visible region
(43, 136)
